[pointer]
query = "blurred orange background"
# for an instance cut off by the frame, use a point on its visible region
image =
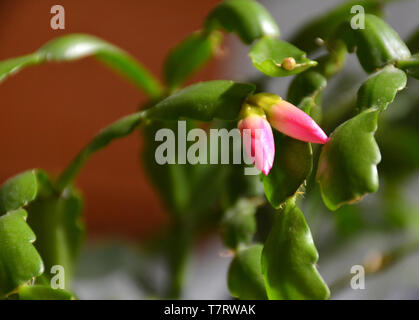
(48, 113)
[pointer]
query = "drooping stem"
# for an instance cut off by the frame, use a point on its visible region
(77, 46)
(119, 129)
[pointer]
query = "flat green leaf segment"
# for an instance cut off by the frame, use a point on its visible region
(245, 279)
(18, 191)
(268, 55)
(116, 130)
(221, 99)
(381, 88)
(76, 46)
(289, 258)
(56, 221)
(43, 292)
(19, 260)
(292, 165)
(410, 65)
(247, 18)
(348, 161)
(189, 56)
(324, 25)
(376, 45)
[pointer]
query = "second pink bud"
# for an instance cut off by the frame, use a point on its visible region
(258, 141)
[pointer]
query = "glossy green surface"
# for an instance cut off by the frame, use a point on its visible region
(289, 259)
(14, 65)
(76, 46)
(18, 191)
(348, 161)
(203, 196)
(245, 279)
(381, 88)
(376, 45)
(19, 260)
(269, 53)
(221, 99)
(247, 18)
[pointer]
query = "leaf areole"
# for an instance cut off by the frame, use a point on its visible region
(245, 279)
(19, 260)
(376, 45)
(18, 191)
(189, 56)
(348, 161)
(289, 259)
(292, 165)
(269, 55)
(247, 18)
(381, 88)
(221, 99)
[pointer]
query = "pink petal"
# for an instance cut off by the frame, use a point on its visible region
(292, 121)
(258, 141)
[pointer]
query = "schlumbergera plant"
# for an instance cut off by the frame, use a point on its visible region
(41, 223)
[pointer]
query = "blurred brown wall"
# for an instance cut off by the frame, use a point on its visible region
(48, 113)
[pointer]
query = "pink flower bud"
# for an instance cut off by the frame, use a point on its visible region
(294, 122)
(258, 141)
(288, 119)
